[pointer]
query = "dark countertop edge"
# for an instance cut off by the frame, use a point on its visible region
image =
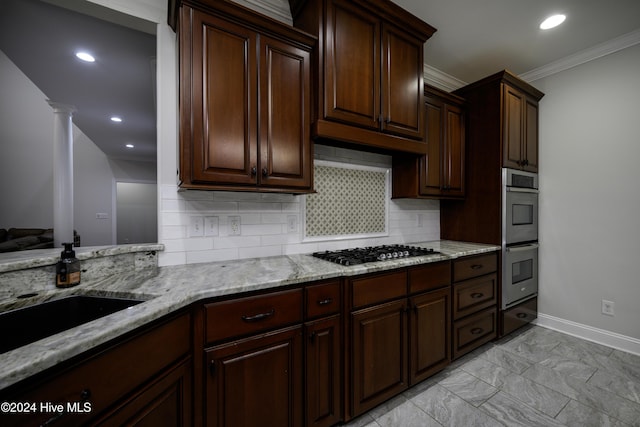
(48, 350)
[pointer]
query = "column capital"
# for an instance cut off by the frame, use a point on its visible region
(59, 107)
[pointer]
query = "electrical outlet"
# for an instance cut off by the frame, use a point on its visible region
(233, 225)
(196, 226)
(210, 225)
(608, 307)
(292, 224)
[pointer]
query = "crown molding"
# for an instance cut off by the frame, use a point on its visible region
(586, 55)
(276, 9)
(441, 80)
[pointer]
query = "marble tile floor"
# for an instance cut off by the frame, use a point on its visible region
(533, 377)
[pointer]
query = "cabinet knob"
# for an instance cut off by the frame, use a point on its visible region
(521, 315)
(85, 395)
(265, 172)
(477, 295)
(326, 301)
(254, 171)
(476, 331)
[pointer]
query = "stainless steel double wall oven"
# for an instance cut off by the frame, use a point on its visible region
(519, 236)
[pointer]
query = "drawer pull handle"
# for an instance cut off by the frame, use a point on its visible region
(476, 331)
(325, 301)
(521, 315)
(476, 266)
(477, 295)
(259, 317)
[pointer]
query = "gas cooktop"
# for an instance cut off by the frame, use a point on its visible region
(373, 254)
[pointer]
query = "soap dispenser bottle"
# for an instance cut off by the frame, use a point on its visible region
(68, 268)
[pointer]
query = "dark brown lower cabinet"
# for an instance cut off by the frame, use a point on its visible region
(136, 380)
(322, 372)
(379, 346)
(473, 331)
(430, 329)
(256, 381)
(165, 402)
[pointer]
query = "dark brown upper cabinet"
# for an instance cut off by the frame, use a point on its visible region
(245, 100)
(441, 172)
(369, 72)
(505, 109)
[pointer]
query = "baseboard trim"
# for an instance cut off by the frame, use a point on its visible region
(589, 333)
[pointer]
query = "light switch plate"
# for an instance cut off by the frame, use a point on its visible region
(196, 226)
(210, 225)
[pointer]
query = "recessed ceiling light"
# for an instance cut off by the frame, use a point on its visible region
(87, 57)
(552, 21)
(129, 145)
(116, 119)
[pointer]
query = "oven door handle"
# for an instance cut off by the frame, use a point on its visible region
(521, 248)
(523, 190)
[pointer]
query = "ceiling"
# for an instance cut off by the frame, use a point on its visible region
(475, 38)
(41, 39)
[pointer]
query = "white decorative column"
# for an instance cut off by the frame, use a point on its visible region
(62, 173)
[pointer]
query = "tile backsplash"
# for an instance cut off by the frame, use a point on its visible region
(202, 226)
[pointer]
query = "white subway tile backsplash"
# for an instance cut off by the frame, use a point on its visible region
(226, 242)
(259, 206)
(259, 251)
(264, 227)
(261, 229)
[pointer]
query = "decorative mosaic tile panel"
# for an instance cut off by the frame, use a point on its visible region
(347, 202)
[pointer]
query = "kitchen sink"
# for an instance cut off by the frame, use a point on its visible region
(29, 324)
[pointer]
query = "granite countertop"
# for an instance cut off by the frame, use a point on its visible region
(167, 289)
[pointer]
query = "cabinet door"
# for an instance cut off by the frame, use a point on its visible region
(222, 148)
(352, 65)
(512, 124)
(431, 164)
(402, 83)
(379, 364)
(442, 169)
(285, 140)
(164, 402)
(430, 331)
(454, 151)
(256, 381)
(323, 373)
(531, 135)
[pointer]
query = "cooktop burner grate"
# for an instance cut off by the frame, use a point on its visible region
(373, 254)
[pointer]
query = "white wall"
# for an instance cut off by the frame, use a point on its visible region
(26, 125)
(589, 197)
(26, 165)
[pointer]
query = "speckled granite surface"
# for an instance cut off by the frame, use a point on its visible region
(167, 289)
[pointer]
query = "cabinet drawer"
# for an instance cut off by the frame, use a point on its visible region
(474, 266)
(378, 288)
(110, 375)
(322, 299)
(474, 295)
(429, 277)
(519, 315)
(242, 316)
(473, 331)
